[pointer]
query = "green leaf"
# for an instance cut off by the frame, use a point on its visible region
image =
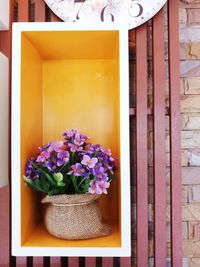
(48, 176)
(65, 169)
(54, 192)
(44, 182)
(86, 186)
(74, 182)
(36, 185)
(58, 177)
(60, 184)
(27, 180)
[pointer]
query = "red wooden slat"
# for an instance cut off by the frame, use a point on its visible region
(40, 10)
(55, 262)
(38, 261)
(21, 261)
(175, 161)
(159, 140)
(54, 18)
(23, 10)
(125, 262)
(4, 42)
(4, 226)
(90, 262)
(107, 262)
(132, 111)
(73, 262)
(141, 140)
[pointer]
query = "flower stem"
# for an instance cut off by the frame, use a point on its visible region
(81, 182)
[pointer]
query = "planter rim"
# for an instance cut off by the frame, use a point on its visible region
(74, 199)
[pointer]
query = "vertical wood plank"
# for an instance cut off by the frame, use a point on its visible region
(21, 261)
(55, 262)
(159, 141)
(107, 262)
(4, 43)
(38, 261)
(175, 151)
(23, 10)
(73, 262)
(90, 262)
(40, 11)
(53, 17)
(141, 148)
(4, 226)
(125, 262)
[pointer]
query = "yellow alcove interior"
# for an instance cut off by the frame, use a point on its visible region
(69, 79)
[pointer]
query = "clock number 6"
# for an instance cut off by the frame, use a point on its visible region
(82, 3)
(140, 9)
(103, 14)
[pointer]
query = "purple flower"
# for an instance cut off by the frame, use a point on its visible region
(76, 170)
(99, 173)
(102, 187)
(52, 146)
(63, 157)
(51, 166)
(89, 162)
(75, 148)
(106, 151)
(98, 187)
(70, 133)
(44, 155)
(92, 189)
(93, 148)
(79, 139)
(55, 146)
(30, 171)
(44, 148)
(108, 162)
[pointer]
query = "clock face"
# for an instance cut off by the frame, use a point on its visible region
(131, 12)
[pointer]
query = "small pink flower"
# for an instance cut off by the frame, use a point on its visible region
(89, 162)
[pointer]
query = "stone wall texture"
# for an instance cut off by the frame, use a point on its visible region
(190, 111)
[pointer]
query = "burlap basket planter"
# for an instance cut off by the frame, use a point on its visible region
(74, 217)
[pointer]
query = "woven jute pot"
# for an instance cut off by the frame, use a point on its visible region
(74, 217)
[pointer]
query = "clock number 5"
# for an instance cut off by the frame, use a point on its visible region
(81, 2)
(103, 14)
(132, 12)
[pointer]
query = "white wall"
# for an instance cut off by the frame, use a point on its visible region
(4, 14)
(4, 120)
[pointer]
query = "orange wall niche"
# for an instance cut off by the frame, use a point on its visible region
(69, 79)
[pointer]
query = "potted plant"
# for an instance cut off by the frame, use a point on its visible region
(73, 174)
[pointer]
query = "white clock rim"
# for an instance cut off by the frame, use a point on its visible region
(130, 25)
(151, 15)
